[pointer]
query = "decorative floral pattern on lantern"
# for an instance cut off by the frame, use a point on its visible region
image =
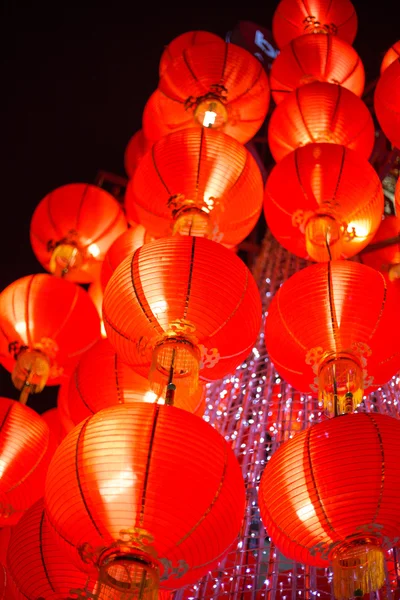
(323, 201)
(221, 86)
(180, 307)
(387, 102)
(320, 508)
(335, 325)
(66, 239)
(317, 57)
(135, 150)
(195, 181)
(391, 55)
(293, 18)
(182, 43)
(124, 485)
(321, 112)
(383, 253)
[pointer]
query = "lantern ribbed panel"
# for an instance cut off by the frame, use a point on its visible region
(101, 380)
(293, 18)
(5, 591)
(127, 243)
(331, 179)
(334, 482)
(321, 112)
(156, 470)
(317, 57)
(390, 255)
(183, 280)
(391, 55)
(68, 212)
(205, 166)
(387, 102)
(193, 74)
(184, 41)
(25, 452)
(134, 152)
(49, 313)
(329, 308)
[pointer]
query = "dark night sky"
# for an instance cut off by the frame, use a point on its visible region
(75, 81)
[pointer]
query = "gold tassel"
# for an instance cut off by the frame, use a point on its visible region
(358, 568)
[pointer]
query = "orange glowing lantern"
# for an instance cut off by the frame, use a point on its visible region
(182, 43)
(391, 55)
(135, 150)
(57, 432)
(384, 252)
(387, 102)
(95, 291)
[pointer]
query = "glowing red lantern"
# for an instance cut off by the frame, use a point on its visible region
(5, 533)
(5, 592)
(320, 508)
(323, 201)
(221, 86)
(95, 291)
(57, 432)
(391, 55)
(182, 43)
(318, 57)
(321, 112)
(387, 257)
(65, 237)
(387, 102)
(397, 197)
(127, 243)
(129, 458)
(293, 18)
(46, 323)
(336, 325)
(63, 408)
(179, 307)
(195, 181)
(135, 150)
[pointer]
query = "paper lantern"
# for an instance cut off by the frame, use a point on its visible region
(391, 55)
(46, 323)
(323, 201)
(221, 86)
(127, 243)
(57, 432)
(317, 57)
(63, 407)
(135, 150)
(101, 380)
(125, 484)
(320, 508)
(180, 306)
(335, 325)
(65, 237)
(321, 112)
(387, 102)
(387, 257)
(200, 181)
(95, 292)
(397, 197)
(5, 592)
(293, 18)
(183, 42)
(5, 533)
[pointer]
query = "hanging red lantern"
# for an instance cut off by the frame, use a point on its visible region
(5, 533)
(221, 86)
(384, 252)
(46, 323)
(135, 150)
(180, 307)
(397, 197)
(25, 452)
(335, 325)
(66, 239)
(323, 201)
(387, 102)
(318, 57)
(101, 380)
(195, 181)
(5, 592)
(321, 112)
(182, 43)
(131, 490)
(95, 291)
(63, 408)
(57, 432)
(293, 18)
(391, 55)
(124, 245)
(321, 509)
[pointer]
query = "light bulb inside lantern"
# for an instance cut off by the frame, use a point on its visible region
(323, 232)
(211, 113)
(341, 384)
(64, 258)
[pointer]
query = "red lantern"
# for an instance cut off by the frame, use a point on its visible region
(318, 57)
(195, 180)
(101, 380)
(323, 201)
(387, 258)
(95, 291)
(65, 237)
(335, 324)
(57, 432)
(319, 506)
(321, 112)
(63, 408)
(127, 243)
(25, 452)
(181, 306)
(391, 55)
(135, 150)
(387, 102)
(46, 323)
(221, 86)
(397, 197)
(5, 533)
(182, 43)
(293, 18)
(5, 592)
(131, 483)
